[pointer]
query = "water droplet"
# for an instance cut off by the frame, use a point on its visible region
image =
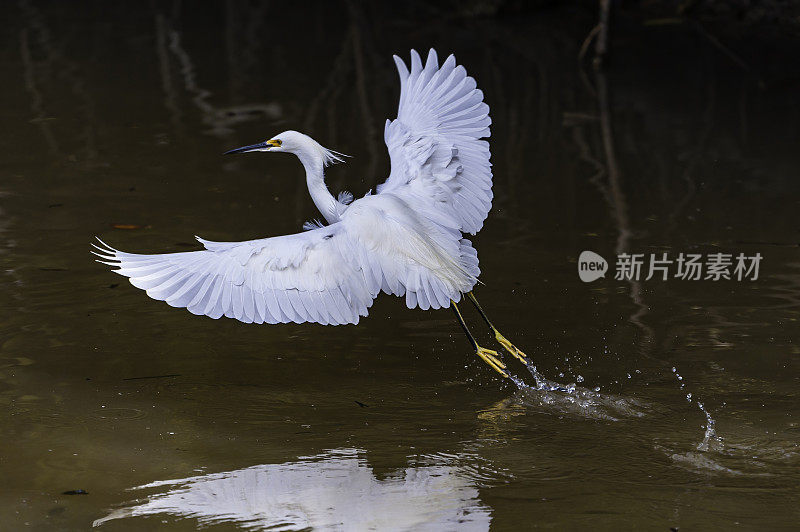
(579, 378)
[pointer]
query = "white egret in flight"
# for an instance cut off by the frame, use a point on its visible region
(406, 240)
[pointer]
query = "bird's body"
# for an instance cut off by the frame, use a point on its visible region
(407, 239)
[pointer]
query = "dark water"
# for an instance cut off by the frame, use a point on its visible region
(116, 115)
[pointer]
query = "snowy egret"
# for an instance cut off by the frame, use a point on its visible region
(406, 240)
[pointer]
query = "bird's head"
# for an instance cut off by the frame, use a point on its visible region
(296, 143)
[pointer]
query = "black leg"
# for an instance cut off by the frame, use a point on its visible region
(488, 356)
(507, 345)
(464, 325)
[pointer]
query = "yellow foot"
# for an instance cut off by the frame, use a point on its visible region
(490, 357)
(511, 348)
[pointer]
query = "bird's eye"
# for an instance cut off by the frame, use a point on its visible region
(276, 142)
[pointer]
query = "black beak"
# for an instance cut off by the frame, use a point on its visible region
(245, 149)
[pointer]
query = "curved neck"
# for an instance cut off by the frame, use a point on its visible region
(328, 206)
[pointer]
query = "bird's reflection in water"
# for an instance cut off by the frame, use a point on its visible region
(334, 490)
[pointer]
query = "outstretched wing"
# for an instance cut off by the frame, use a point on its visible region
(440, 164)
(310, 276)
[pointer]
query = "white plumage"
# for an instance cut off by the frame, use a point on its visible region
(405, 240)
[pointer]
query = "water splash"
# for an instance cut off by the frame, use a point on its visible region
(574, 399)
(710, 438)
(712, 454)
(710, 435)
